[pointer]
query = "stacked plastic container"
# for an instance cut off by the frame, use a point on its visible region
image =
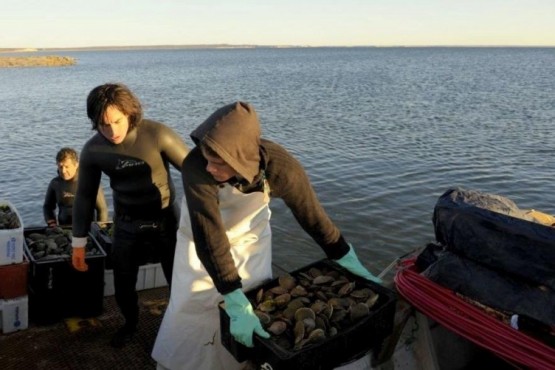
(56, 290)
(13, 271)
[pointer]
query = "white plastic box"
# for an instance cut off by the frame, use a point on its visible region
(14, 314)
(108, 283)
(11, 240)
(150, 276)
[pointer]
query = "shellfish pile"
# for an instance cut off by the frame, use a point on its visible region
(312, 306)
(8, 218)
(55, 243)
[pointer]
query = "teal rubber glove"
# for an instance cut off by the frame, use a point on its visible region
(243, 320)
(351, 262)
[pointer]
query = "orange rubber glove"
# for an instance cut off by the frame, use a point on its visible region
(78, 259)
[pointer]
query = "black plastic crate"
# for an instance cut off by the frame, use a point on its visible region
(102, 233)
(349, 344)
(57, 290)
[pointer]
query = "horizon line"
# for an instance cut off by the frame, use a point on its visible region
(244, 46)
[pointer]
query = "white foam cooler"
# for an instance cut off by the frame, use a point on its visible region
(11, 240)
(149, 276)
(14, 314)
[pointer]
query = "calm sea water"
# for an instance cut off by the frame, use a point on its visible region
(382, 132)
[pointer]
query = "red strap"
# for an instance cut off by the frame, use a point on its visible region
(442, 305)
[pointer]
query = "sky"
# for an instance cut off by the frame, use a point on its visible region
(80, 23)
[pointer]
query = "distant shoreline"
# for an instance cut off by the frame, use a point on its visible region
(36, 61)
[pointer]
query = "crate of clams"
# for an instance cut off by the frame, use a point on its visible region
(47, 244)
(318, 317)
(56, 289)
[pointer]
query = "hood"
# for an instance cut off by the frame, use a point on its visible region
(233, 132)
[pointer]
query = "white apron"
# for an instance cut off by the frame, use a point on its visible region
(189, 336)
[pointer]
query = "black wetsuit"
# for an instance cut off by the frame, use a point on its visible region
(145, 216)
(61, 193)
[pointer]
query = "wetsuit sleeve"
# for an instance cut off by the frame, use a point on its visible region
(289, 181)
(172, 146)
(49, 205)
(85, 199)
(101, 206)
(211, 242)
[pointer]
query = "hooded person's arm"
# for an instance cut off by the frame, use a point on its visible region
(211, 242)
(289, 181)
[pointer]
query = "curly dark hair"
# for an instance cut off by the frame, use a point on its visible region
(67, 153)
(117, 95)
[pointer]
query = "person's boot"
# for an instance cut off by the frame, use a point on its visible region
(123, 336)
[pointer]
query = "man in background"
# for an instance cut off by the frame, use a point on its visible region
(61, 192)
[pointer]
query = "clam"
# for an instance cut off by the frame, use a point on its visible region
(264, 318)
(304, 313)
(297, 303)
(277, 327)
(338, 316)
(278, 290)
(316, 336)
(320, 295)
(370, 302)
(325, 319)
(287, 282)
(359, 311)
(61, 241)
(338, 303)
(305, 276)
(361, 293)
(320, 323)
(38, 246)
(314, 272)
(282, 300)
(267, 306)
(36, 236)
(259, 295)
(318, 306)
(298, 332)
(298, 291)
(322, 279)
(309, 324)
(346, 289)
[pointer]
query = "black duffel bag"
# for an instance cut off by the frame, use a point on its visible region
(491, 230)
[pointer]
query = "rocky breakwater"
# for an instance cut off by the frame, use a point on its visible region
(36, 61)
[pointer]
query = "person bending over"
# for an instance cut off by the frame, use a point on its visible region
(224, 238)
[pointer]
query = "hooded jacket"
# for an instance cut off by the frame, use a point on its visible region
(233, 132)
